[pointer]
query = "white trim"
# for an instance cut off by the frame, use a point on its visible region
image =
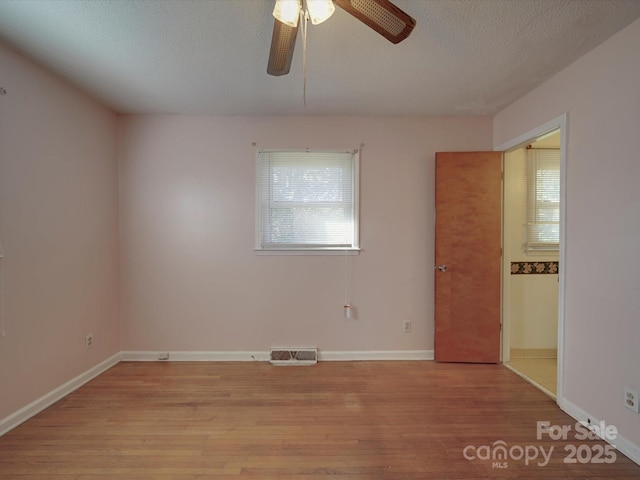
(562, 257)
(35, 407)
(557, 123)
(240, 356)
(263, 356)
(330, 356)
(327, 251)
(505, 288)
(317, 249)
(622, 444)
(298, 363)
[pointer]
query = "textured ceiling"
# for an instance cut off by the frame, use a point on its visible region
(465, 57)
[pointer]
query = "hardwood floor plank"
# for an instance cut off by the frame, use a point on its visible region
(354, 420)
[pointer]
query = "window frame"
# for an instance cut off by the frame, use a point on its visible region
(261, 248)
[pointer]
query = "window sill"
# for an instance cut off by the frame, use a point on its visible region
(310, 251)
(542, 252)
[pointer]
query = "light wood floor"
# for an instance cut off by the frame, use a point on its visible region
(542, 371)
(347, 421)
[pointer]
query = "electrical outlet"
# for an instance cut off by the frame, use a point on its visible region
(406, 325)
(88, 341)
(631, 400)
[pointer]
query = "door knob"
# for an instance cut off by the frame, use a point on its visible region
(442, 268)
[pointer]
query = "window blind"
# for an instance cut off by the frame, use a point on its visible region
(543, 199)
(306, 200)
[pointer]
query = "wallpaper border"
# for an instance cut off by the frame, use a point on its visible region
(534, 268)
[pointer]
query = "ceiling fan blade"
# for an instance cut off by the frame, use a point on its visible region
(381, 15)
(283, 42)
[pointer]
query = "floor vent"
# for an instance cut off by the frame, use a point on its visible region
(294, 356)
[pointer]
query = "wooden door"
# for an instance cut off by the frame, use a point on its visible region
(468, 257)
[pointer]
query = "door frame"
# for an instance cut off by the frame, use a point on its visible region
(558, 123)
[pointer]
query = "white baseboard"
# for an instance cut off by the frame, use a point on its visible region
(622, 444)
(375, 355)
(195, 356)
(264, 356)
(35, 407)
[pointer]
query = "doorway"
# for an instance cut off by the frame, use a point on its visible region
(533, 282)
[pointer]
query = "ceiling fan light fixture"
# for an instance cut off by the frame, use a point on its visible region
(320, 10)
(287, 12)
(383, 16)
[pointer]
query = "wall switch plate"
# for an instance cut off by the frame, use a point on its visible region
(631, 400)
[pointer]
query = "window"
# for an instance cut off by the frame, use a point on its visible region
(543, 199)
(307, 200)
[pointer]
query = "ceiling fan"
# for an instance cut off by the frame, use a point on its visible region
(380, 15)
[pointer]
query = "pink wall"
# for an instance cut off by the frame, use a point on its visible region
(58, 228)
(191, 280)
(601, 94)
